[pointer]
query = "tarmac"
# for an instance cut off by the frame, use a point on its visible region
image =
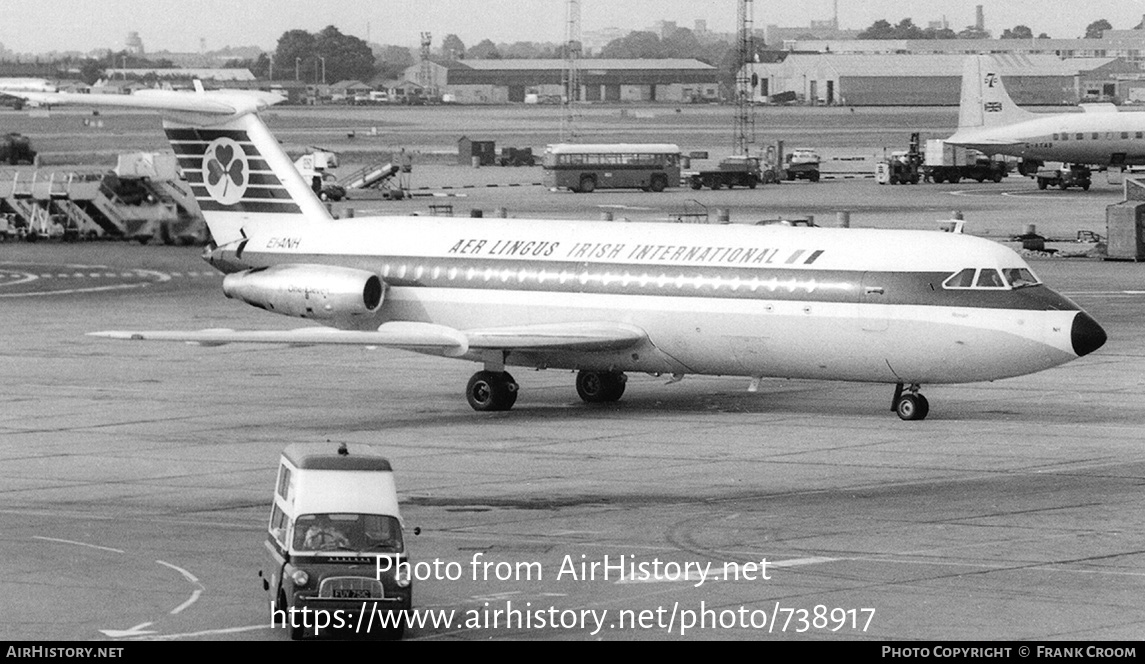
(137, 478)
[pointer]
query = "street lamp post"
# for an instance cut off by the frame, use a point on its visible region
(323, 69)
(297, 69)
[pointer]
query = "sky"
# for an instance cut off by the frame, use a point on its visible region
(40, 26)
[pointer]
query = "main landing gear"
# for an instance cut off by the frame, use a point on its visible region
(496, 390)
(910, 406)
(600, 386)
(491, 390)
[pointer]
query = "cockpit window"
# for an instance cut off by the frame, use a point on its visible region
(1019, 277)
(964, 279)
(989, 278)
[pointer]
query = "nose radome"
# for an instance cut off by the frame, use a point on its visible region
(1086, 335)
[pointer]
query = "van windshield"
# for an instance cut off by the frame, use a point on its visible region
(347, 532)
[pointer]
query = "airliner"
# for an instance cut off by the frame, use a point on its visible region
(900, 307)
(990, 121)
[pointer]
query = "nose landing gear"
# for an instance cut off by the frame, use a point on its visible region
(910, 406)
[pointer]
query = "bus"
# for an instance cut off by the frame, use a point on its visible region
(587, 167)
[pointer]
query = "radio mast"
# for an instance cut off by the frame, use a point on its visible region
(425, 74)
(570, 76)
(745, 104)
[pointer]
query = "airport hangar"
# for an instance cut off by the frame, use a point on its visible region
(607, 80)
(935, 79)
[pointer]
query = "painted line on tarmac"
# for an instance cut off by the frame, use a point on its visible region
(77, 290)
(64, 541)
(718, 575)
(190, 577)
(206, 632)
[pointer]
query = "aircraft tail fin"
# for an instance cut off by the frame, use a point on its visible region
(241, 176)
(985, 102)
(238, 172)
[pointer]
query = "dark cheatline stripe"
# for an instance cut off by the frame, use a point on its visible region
(811, 259)
(284, 207)
(206, 135)
(252, 193)
(836, 286)
(266, 193)
(200, 149)
(187, 162)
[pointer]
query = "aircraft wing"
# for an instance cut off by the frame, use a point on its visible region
(976, 141)
(415, 336)
(214, 102)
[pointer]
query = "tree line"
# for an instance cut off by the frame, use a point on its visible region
(333, 56)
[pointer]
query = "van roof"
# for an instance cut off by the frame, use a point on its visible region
(325, 456)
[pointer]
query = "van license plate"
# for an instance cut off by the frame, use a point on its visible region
(351, 593)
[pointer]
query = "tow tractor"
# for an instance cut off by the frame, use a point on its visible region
(1068, 175)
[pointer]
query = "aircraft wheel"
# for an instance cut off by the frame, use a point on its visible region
(491, 390)
(912, 407)
(600, 386)
(1085, 186)
(1042, 183)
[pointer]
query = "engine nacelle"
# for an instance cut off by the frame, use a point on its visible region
(321, 292)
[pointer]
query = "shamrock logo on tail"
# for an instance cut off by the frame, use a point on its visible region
(225, 165)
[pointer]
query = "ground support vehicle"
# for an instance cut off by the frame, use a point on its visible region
(801, 164)
(1069, 175)
(584, 168)
(944, 162)
(335, 544)
(517, 157)
(16, 149)
(732, 171)
(900, 168)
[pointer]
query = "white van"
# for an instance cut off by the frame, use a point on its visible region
(336, 544)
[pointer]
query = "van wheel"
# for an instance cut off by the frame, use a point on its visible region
(296, 633)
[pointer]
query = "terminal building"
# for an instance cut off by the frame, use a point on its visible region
(606, 80)
(935, 79)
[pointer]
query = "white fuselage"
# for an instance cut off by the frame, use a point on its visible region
(1097, 138)
(842, 304)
